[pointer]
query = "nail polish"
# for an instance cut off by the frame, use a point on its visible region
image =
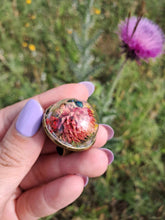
(29, 119)
(109, 154)
(90, 86)
(109, 130)
(85, 178)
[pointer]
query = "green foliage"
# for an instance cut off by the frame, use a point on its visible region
(48, 43)
(84, 42)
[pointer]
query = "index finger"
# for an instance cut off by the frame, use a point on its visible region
(73, 90)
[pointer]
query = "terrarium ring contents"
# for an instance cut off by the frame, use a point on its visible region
(71, 124)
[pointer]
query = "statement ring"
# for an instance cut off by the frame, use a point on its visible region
(71, 124)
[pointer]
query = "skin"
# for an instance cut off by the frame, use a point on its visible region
(34, 180)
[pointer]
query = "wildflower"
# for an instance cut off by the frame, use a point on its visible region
(69, 31)
(32, 47)
(33, 17)
(141, 38)
(57, 48)
(97, 11)
(28, 2)
(27, 24)
(24, 44)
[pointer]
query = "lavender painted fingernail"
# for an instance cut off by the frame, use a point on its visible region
(85, 178)
(109, 130)
(90, 86)
(29, 119)
(109, 154)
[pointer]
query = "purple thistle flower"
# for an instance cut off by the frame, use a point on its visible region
(141, 38)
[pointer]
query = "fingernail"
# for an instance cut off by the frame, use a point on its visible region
(109, 130)
(109, 154)
(85, 178)
(29, 119)
(90, 86)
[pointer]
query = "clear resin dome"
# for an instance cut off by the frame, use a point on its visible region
(71, 124)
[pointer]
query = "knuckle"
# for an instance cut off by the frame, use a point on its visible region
(51, 205)
(9, 155)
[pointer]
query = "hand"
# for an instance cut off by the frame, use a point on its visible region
(34, 180)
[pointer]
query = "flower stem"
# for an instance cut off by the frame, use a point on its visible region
(110, 95)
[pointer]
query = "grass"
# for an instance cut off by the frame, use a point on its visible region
(38, 51)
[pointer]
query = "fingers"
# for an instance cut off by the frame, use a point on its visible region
(105, 132)
(19, 151)
(48, 167)
(91, 163)
(78, 90)
(49, 198)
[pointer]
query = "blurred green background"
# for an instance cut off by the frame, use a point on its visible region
(46, 43)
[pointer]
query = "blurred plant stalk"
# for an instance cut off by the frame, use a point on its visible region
(114, 84)
(84, 42)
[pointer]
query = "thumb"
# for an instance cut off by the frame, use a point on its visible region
(18, 149)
